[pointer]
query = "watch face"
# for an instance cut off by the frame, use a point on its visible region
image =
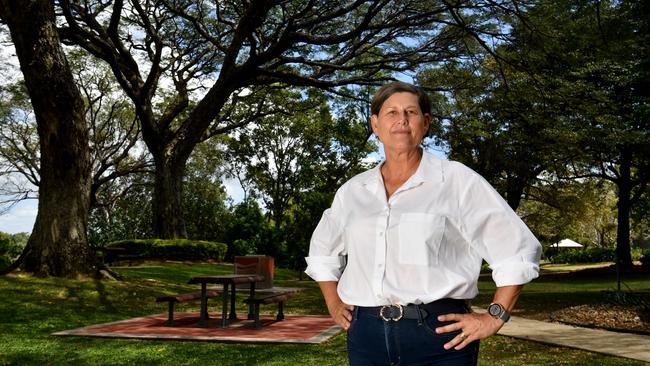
(494, 309)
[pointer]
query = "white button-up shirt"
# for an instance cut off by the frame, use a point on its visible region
(425, 243)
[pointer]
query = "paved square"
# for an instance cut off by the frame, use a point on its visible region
(293, 329)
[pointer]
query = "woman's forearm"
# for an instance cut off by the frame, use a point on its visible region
(507, 296)
(328, 288)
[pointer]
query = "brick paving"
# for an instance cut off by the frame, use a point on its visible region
(293, 329)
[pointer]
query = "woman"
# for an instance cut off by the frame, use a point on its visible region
(398, 254)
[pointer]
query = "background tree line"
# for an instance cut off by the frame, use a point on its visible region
(558, 112)
(133, 126)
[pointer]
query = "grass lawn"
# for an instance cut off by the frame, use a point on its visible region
(32, 308)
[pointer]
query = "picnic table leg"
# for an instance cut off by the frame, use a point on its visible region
(233, 314)
(170, 313)
(204, 304)
(224, 310)
(280, 311)
(251, 308)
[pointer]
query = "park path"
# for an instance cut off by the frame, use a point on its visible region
(628, 345)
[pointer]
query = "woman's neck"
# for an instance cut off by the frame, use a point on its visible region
(398, 168)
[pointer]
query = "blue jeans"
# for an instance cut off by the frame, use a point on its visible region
(407, 342)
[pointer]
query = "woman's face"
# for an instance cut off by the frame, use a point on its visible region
(400, 124)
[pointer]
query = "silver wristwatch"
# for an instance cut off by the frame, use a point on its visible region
(498, 312)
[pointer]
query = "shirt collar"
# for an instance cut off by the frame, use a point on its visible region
(429, 170)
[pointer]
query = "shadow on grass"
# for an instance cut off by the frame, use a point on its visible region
(103, 297)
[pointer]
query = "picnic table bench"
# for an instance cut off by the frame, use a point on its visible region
(180, 298)
(267, 298)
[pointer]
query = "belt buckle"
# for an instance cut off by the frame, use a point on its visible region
(391, 317)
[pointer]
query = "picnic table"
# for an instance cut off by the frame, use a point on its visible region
(228, 282)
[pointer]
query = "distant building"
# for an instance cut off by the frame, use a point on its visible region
(566, 243)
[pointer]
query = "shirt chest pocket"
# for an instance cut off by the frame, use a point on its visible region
(420, 235)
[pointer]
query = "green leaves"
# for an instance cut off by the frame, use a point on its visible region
(567, 97)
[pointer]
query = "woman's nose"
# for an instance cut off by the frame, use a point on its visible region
(403, 118)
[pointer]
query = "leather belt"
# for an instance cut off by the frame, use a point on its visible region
(397, 312)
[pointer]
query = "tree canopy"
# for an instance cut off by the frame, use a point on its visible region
(157, 100)
(182, 62)
(566, 96)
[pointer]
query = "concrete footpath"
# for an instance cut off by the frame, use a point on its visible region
(619, 344)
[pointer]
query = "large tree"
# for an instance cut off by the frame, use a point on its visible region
(124, 204)
(495, 122)
(112, 128)
(593, 61)
(566, 94)
(298, 149)
(182, 62)
(295, 159)
(113, 136)
(584, 211)
(58, 244)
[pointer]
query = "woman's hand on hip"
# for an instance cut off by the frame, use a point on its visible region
(472, 326)
(341, 313)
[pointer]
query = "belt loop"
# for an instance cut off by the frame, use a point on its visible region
(355, 313)
(417, 308)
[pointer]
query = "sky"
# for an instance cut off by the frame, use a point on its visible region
(21, 217)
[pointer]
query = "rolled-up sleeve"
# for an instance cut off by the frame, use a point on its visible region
(498, 235)
(516, 270)
(326, 259)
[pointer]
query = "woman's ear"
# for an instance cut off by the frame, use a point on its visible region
(427, 124)
(373, 123)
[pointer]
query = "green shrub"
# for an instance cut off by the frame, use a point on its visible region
(11, 245)
(176, 249)
(587, 255)
(4, 262)
(6, 243)
(596, 254)
(637, 253)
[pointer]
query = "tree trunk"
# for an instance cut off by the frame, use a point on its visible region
(623, 250)
(171, 151)
(514, 191)
(168, 198)
(58, 245)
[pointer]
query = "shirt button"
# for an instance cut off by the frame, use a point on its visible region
(381, 233)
